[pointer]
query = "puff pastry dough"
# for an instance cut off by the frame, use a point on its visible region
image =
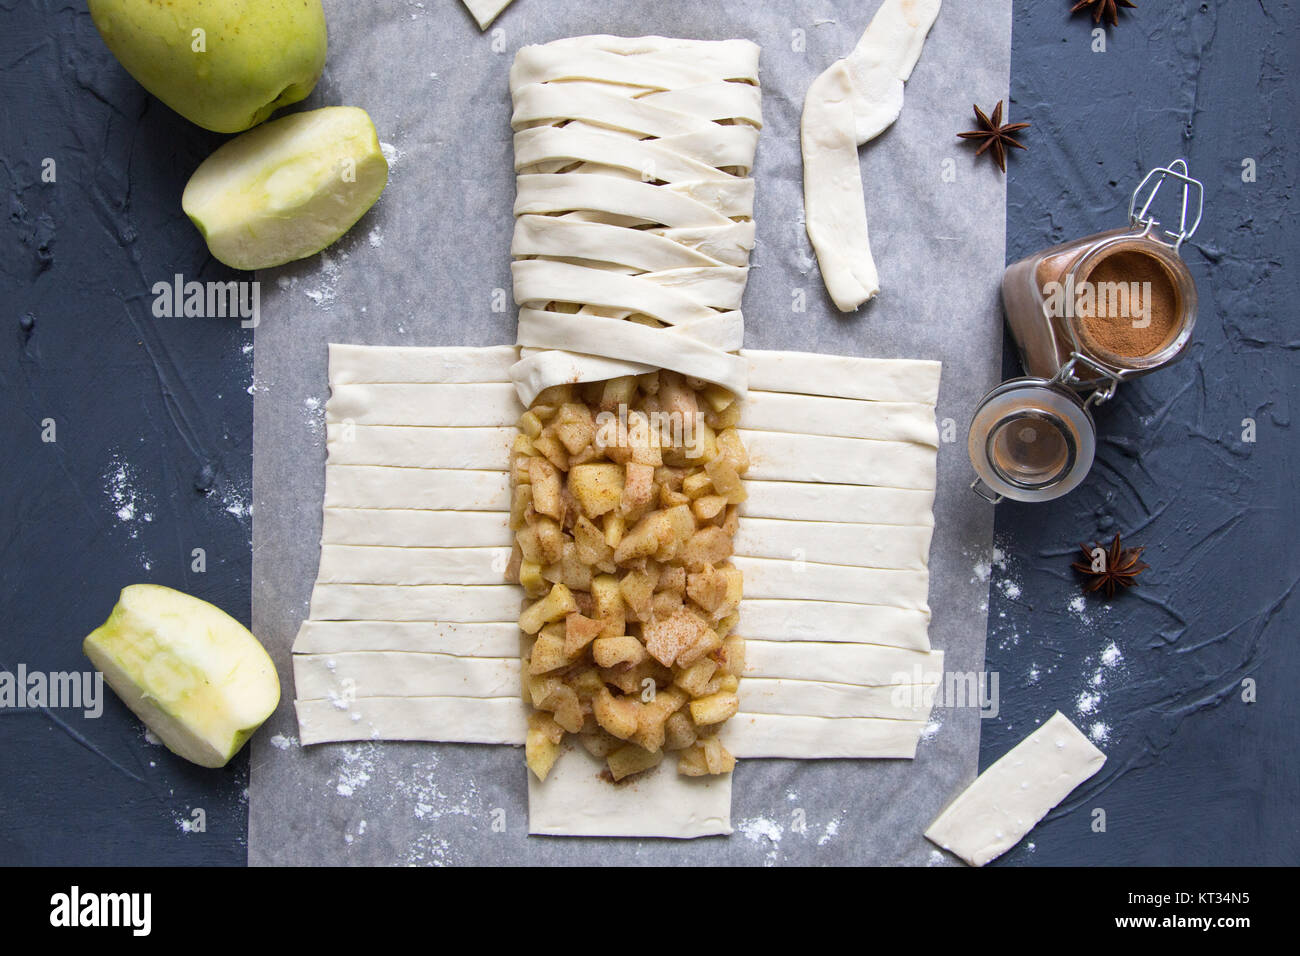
(634, 210)
(853, 102)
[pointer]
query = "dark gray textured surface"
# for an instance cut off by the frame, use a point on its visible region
(1195, 776)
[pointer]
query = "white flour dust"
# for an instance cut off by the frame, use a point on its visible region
(760, 829)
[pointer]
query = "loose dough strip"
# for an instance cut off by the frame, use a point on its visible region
(459, 720)
(844, 376)
(483, 603)
(840, 417)
(863, 664)
(394, 674)
(782, 456)
(770, 578)
(802, 698)
(378, 365)
(754, 736)
(416, 529)
(410, 447)
(353, 564)
(378, 487)
(861, 504)
(826, 542)
(464, 405)
(1005, 802)
(462, 640)
(834, 622)
(854, 101)
(656, 804)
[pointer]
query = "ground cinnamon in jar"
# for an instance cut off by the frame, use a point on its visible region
(1129, 304)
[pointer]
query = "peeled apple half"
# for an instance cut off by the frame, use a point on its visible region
(197, 677)
(289, 188)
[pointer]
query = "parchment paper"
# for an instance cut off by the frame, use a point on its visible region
(430, 265)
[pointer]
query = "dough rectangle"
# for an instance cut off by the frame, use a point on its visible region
(1005, 802)
(656, 804)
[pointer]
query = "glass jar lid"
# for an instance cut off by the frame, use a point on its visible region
(1031, 440)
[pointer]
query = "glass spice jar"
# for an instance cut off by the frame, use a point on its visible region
(1085, 316)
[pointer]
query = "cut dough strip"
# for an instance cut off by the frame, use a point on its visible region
(861, 504)
(828, 621)
(844, 376)
(769, 578)
(378, 487)
(840, 417)
(459, 720)
(380, 365)
(1005, 802)
(353, 564)
(462, 640)
(783, 456)
(416, 529)
(801, 698)
(394, 674)
(400, 446)
(484, 603)
(463, 405)
(826, 542)
(862, 664)
(751, 736)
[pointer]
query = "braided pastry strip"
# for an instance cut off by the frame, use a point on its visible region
(634, 208)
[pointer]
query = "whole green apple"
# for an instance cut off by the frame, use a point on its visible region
(224, 64)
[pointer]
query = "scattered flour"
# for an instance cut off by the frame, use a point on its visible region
(759, 829)
(936, 859)
(1099, 732)
(832, 829)
(356, 770)
(281, 742)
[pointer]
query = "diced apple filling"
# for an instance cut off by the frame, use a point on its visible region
(624, 508)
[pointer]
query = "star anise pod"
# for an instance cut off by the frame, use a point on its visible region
(995, 136)
(1109, 9)
(1118, 568)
